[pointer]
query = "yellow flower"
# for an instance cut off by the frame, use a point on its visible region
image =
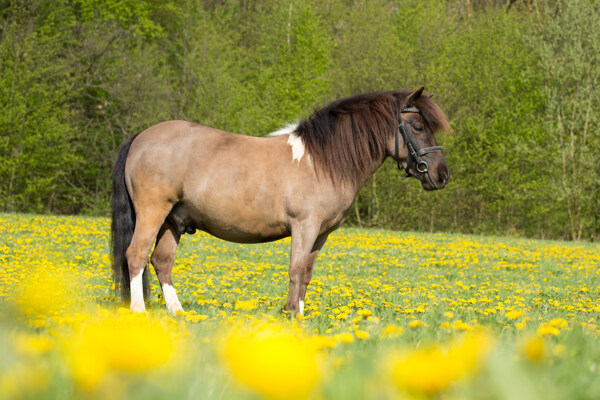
(24, 381)
(558, 323)
(559, 351)
(274, 361)
(392, 331)
(414, 324)
(245, 305)
(513, 314)
(44, 293)
(30, 344)
(195, 317)
(320, 342)
(362, 335)
(533, 348)
(127, 343)
(461, 326)
(430, 371)
(344, 337)
(546, 330)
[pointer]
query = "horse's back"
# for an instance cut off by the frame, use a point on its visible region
(230, 185)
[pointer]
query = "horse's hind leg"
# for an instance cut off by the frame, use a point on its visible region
(148, 223)
(162, 259)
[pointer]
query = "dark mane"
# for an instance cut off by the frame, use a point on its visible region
(345, 137)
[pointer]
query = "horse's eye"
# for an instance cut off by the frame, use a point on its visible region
(418, 127)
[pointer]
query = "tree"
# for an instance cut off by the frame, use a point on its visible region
(565, 37)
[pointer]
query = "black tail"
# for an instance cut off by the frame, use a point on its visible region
(123, 224)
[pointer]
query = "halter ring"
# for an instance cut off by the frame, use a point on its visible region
(424, 169)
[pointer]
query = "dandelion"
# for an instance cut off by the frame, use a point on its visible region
(391, 331)
(344, 337)
(546, 330)
(558, 323)
(273, 361)
(559, 351)
(432, 370)
(32, 345)
(24, 381)
(512, 315)
(533, 348)
(43, 294)
(131, 344)
(245, 305)
(414, 324)
(362, 335)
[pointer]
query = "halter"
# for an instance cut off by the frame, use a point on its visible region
(414, 155)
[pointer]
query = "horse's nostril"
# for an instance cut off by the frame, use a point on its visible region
(443, 175)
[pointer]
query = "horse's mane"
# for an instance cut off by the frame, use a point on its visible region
(346, 136)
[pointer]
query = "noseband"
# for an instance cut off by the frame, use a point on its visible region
(414, 154)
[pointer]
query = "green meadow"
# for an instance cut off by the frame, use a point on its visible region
(388, 315)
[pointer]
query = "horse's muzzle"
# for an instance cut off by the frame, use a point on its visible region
(435, 178)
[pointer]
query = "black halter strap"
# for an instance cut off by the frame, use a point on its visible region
(414, 154)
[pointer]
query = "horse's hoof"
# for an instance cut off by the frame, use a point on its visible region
(137, 308)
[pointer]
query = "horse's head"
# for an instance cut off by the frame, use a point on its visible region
(415, 148)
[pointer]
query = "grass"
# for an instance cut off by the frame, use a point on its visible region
(379, 300)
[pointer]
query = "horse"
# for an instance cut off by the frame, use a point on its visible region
(177, 177)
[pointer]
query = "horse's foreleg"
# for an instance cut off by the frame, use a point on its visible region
(304, 236)
(309, 270)
(162, 259)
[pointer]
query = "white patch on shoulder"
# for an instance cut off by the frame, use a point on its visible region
(286, 130)
(137, 293)
(173, 304)
(301, 307)
(297, 147)
(294, 141)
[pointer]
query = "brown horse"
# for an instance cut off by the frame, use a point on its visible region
(177, 176)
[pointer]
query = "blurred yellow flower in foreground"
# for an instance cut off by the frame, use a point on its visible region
(31, 344)
(43, 294)
(533, 348)
(272, 360)
(429, 371)
(127, 343)
(24, 380)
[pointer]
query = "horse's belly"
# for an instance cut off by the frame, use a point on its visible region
(235, 224)
(234, 234)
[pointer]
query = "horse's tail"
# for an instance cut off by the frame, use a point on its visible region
(123, 225)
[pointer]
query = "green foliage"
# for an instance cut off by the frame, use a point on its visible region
(519, 84)
(565, 39)
(35, 134)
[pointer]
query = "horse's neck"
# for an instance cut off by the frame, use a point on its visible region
(375, 165)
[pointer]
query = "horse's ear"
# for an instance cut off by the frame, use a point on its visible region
(414, 96)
